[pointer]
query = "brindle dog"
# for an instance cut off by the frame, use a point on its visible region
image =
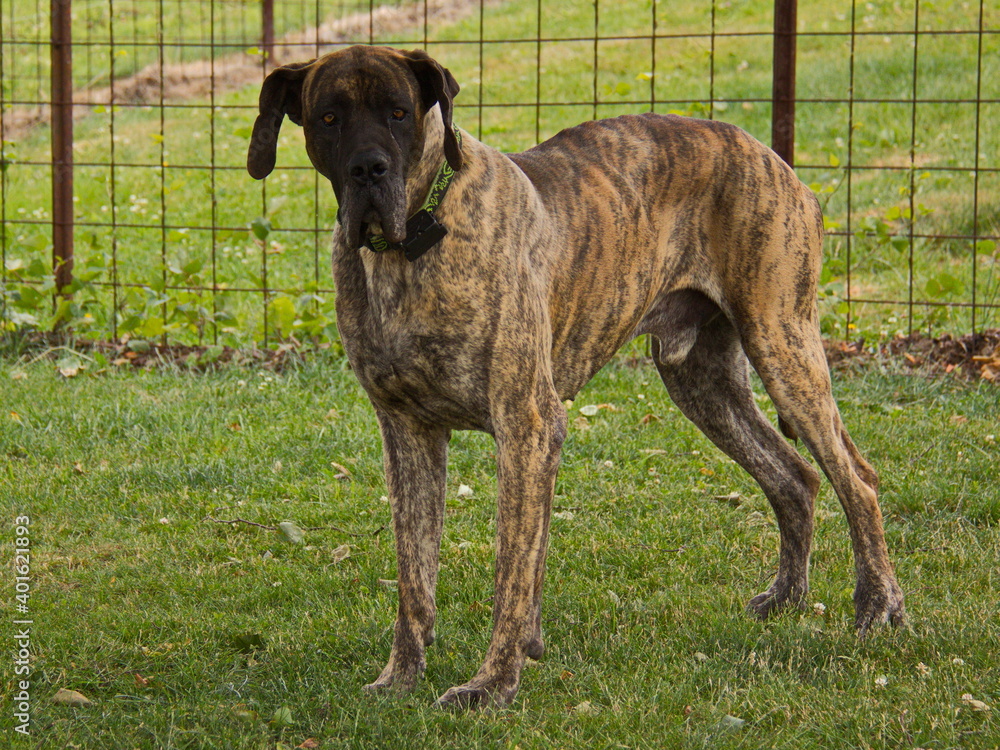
(685, 229)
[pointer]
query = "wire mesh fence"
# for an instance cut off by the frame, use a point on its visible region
(132, 153)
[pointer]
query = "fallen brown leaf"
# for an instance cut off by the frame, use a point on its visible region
(974, 704)
(71, 698)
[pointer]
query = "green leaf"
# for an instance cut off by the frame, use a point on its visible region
(38, 269)
(22, 319)
(193, 266)
(291, 532)
(283, 310)
(943, 284)
(61, 313)
(834, 161)
(130, 324)
(153, 327)
(281, 718)
(247, 643)
(261, 227)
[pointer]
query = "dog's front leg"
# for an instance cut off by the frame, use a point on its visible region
(529, 443)
(415, 457)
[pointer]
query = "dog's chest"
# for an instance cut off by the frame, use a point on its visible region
(408, 356)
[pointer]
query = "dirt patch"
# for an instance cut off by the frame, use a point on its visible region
(972, 356)
(182, 82)
(198, 358)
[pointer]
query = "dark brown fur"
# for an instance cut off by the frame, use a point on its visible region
(687, 230)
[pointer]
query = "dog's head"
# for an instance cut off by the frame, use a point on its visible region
(362, 110)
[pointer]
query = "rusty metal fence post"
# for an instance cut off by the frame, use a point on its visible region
(62, 143)
(783, 85)
(267, 30)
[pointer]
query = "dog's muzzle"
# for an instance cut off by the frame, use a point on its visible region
(374, 197)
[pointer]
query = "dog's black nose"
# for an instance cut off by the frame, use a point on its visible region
(368, 167)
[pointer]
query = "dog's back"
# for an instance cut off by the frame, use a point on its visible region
(695, 208)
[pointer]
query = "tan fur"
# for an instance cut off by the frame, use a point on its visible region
(688, 230)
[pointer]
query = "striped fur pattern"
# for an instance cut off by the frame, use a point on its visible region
(688, 230)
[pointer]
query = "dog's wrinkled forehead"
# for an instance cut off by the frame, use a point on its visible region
(361, 77)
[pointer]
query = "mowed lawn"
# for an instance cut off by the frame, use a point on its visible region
(188, 633)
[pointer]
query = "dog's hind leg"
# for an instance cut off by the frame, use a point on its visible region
(790, 360)
(710, 383)
(415, 458)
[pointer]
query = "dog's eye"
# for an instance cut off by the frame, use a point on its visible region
(329, 118)
(398, 114)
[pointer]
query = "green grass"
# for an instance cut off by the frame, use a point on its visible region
(869, 246)
(647, 577)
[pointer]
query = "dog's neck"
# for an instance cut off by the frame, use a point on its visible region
(422, 173)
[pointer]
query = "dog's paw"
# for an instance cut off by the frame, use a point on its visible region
(878, 604)
(476, 694)
(396, 678)
(776, 598)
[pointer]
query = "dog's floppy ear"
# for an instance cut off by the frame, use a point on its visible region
(280, 95)
(437, 84)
